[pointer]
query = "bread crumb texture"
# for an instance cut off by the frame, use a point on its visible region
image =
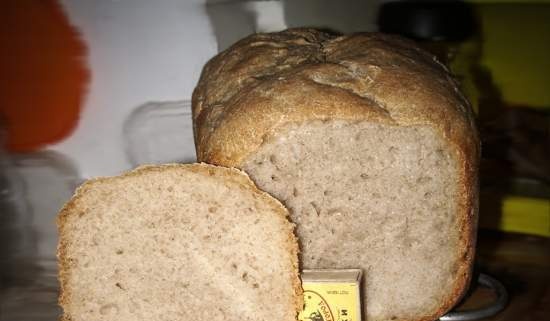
(367, 195)
(177, 242)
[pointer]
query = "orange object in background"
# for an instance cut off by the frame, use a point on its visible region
(43, 73)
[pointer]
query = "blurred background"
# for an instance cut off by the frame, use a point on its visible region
(93, 88)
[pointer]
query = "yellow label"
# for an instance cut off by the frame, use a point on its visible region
(325, 301)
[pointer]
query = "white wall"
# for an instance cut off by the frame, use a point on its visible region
(139, 51)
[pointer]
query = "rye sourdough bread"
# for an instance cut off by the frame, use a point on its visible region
(177, 242)
(371, 146)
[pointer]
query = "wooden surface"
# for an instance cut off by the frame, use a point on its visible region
(522, 264)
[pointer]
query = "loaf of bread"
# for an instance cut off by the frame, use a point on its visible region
(371, 146)
(177, 242)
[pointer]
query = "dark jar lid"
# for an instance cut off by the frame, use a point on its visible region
(428, 20)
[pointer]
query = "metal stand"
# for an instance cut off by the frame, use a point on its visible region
(485, 312)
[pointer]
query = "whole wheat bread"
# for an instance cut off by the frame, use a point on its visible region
(369, 143)
(177, 242)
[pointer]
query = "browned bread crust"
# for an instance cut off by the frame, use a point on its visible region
(246, 93)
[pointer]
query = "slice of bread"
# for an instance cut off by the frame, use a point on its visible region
(371, 146)
(177, 242)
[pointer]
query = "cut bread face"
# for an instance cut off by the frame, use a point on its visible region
(372, 196)
(177, 242)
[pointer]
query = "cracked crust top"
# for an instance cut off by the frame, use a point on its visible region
(267, 80)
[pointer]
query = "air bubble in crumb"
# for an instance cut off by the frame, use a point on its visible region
(108, 309)
(316, 208)
(335, 213)
(423, 179)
